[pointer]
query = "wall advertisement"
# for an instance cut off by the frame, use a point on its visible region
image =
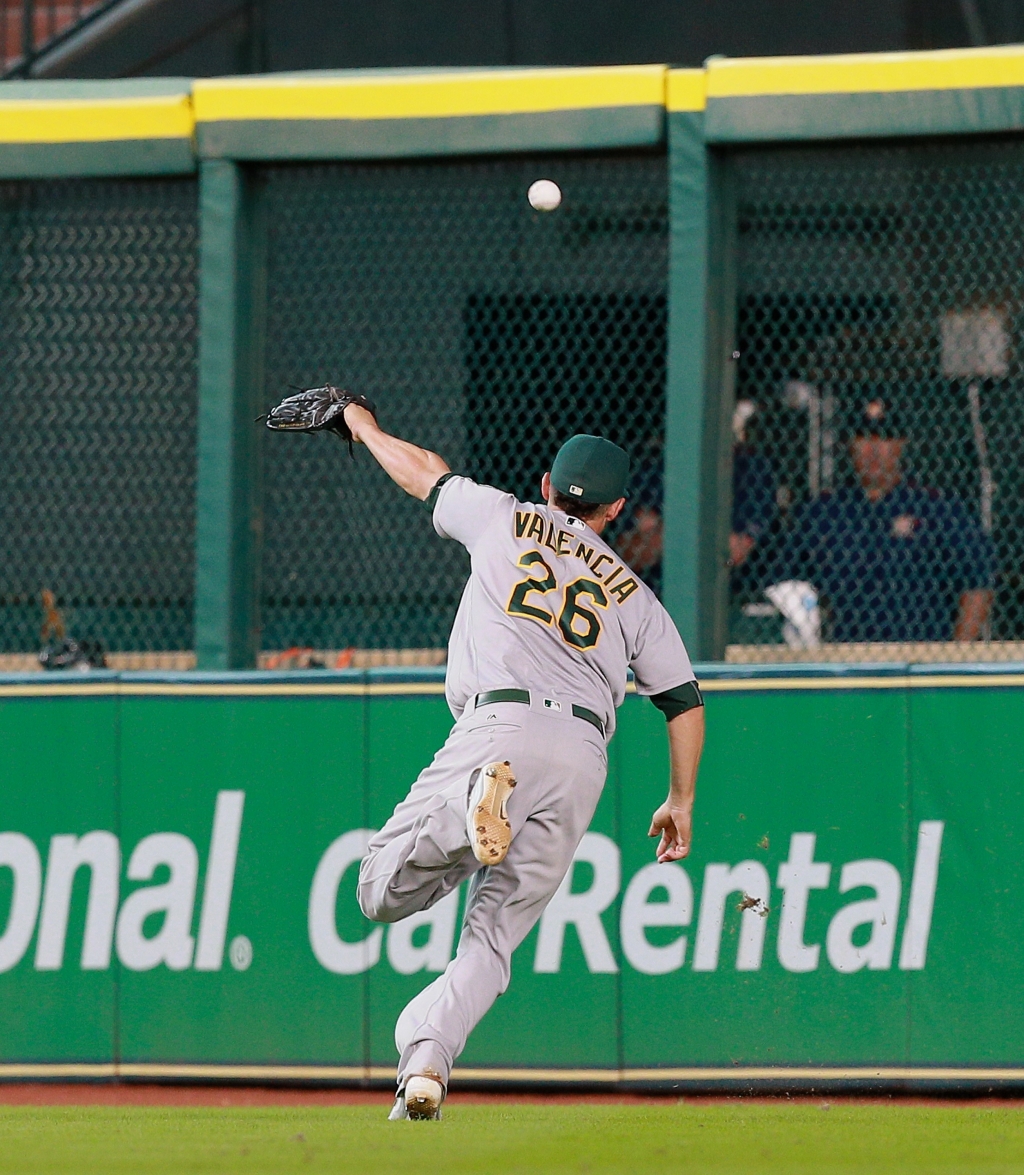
(177, 890)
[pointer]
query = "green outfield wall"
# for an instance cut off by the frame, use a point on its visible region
(178, 856)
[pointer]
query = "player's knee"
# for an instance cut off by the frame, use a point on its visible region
(380, 911)
(373, 901)
(366, 903)
(376, 900)
(371, 893)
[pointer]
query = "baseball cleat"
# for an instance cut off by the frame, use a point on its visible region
(423, 1098)
(487, 822)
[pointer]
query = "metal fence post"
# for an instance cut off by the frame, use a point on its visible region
(699, 391)
(228, 492)
(28, 36)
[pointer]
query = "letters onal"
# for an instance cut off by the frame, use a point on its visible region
(41, 899)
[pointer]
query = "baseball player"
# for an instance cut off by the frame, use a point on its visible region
(549, 621)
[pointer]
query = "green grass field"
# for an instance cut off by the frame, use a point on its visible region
(663, 1136)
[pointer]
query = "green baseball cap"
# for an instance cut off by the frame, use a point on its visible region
(591, 470)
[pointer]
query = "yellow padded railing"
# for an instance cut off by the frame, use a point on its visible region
(369, 95)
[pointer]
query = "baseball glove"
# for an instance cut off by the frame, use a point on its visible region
(317, 409)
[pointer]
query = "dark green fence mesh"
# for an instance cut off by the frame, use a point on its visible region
(878, 497)
(879, 492)
(98, 386)
(483, 329)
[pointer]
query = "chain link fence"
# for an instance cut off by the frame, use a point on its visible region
(878, 506)
(878, 500)
(98, 386)
(483, 329)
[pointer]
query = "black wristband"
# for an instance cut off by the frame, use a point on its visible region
(678, 700)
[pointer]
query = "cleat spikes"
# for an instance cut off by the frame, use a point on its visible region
(487, 822)
(423, 1098)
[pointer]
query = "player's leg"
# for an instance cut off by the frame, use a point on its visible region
(424, 851)
(562, 780)
(420, 855)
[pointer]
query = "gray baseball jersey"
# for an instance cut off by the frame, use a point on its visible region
(550, 607)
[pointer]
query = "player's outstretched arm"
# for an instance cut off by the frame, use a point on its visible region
(416, 470)
(674, 819)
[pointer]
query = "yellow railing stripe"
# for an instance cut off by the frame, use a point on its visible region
(242, 1072)
(495, 92)
(257, 689)
(443, 95)
(365, 96)
(730, 685)
(349, 1073)
(866, 73)
(823, 1073)
(96, 120)
(686, 90)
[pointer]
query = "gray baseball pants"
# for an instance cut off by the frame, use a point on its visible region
(422, 853)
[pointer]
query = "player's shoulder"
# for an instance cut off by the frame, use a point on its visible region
(463, 488)
(465, 510)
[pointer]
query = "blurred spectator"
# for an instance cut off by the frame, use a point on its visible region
(640, 543)
(896, 561)
(753, 486)
(753, 503)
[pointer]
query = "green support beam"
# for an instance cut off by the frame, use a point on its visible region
(702, 299)
(228, 498)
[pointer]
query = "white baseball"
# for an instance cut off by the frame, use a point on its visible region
(544, 195)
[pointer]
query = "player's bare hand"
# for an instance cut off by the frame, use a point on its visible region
(357, 418)
(674, 825)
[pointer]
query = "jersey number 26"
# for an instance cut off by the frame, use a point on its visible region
(579, 626)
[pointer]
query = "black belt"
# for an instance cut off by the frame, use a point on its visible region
(523, 696)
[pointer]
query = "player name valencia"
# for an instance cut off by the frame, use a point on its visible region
(534, 527)
(180, 924)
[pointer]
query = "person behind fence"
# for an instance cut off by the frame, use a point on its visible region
(754, 486)
(753, 503)
(642, 541)
(895, 561)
